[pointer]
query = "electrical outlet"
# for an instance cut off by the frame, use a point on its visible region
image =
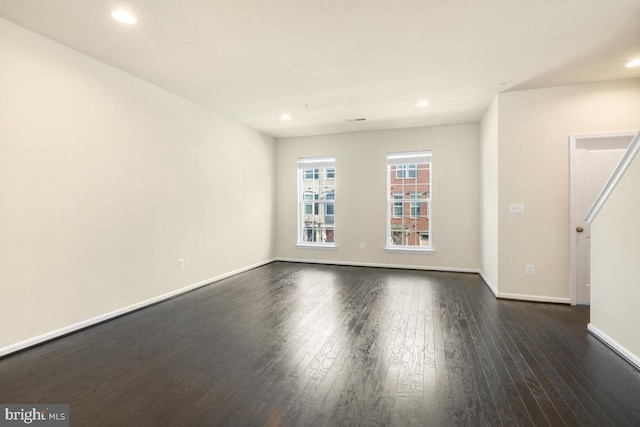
(181, 263)
(529, 269)
(363, 246)
(516, 208)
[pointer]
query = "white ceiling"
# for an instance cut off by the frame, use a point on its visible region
(254, 60)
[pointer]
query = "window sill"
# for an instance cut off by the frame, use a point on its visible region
(414, 250)
(316, 246)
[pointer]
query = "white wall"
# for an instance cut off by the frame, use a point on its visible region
(615, 266)
(533, 164)
(489, 195)
(361, 195)
(106, 181)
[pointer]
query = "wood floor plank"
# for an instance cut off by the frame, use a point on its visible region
(455, 363)
(574, 378)
(495, 374)
(291, 344)
(570, 410)
(488, 390)
(584, 417)
(496, 339)
(465, 365)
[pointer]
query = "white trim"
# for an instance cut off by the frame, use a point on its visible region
(316, 162)
(410, 249)
(500, 295)
(316, 245)
(533, 298)
(573, 145)
(492, 288)
(410, 155)
(380, 265)
(30, 342)
(603, 134)
(618, 172)
(614, 345)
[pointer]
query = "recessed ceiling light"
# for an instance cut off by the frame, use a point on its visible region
(422, 104)
(634, 63)
(124, 17)
(285, 117)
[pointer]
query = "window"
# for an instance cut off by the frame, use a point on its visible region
(310, 208)
(316, 201)
(397, 205)
(329, 213)
(408, 171)
(415, 206)
(409, 201)
(311, 174)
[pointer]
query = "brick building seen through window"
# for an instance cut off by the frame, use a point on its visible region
(409, 202)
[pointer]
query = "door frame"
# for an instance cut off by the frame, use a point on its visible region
(574, 140)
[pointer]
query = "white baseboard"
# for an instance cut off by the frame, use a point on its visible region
(30, 342)
(521, 297)
(12, 348)
(502, 295)
(374, 264)
(614, 345)
(492, 288)
(533, 298)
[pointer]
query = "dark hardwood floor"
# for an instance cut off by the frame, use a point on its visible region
(299, 344)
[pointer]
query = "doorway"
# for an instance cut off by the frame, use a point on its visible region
(592, 159)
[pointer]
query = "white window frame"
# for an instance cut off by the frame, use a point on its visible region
(310, 202)
(314, 174)
(405, 171)
(331, 215)
(414, 204)
(407, 167)
(396, 202)
(316, 187)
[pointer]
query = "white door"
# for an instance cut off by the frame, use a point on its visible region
(593, 159)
